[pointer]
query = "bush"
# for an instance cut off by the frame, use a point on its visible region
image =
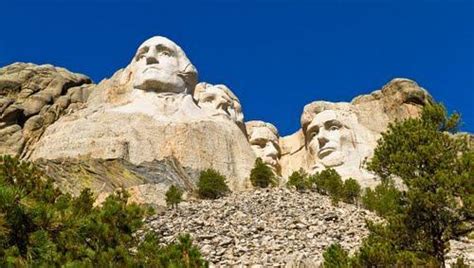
(329, 182)
(299, 180)
(174, 196)
(351, 191)
(42, 227)
(262, 175)
(212, 185)
(336, 257)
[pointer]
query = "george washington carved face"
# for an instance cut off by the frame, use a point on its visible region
(160, 65)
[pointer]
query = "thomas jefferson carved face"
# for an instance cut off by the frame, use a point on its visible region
(264, 140)
(218, 100)
(161, 66)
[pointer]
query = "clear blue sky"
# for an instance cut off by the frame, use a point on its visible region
(276, 56)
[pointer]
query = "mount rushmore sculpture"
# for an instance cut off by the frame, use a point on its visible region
(155, 108)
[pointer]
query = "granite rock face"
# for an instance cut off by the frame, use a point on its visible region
(32, 97)
(343, 135)
(264, 139)
(146, 112)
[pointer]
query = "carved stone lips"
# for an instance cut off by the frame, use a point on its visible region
(151, 68)
(325, 151)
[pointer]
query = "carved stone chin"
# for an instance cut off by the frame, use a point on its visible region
(264, 140)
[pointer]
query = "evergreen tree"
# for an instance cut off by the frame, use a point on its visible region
(437, 170)
(212, 185)
(336, 257)
(351, 191)
(262, 175)
(299, 180)
(174, 196)
(42, 227)
(329, 182)
(384, 200)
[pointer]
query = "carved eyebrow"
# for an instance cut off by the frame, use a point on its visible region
(332, 123)
(141, 51)
(161, 47)
(313, 128)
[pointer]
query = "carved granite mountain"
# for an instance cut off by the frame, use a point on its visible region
(154, 109)
(343, 135)
(146, 112)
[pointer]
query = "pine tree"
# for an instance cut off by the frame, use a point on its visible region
(42, 227)
(351, 191)
(299, 180)
(329, 182)
(437, 169)
(212, 184)
(174, 196)
(262, 175)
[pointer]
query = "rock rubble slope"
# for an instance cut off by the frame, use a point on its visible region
(275, 227)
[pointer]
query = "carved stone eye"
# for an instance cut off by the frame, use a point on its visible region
(334, 127)
(314, 133)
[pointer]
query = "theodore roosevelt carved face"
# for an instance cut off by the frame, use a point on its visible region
(264, 140)
(160, 65)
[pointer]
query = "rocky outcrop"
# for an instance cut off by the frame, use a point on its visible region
(275, 227)
(32, 97)
(146, 182)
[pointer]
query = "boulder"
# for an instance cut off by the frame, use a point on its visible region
(32, 97)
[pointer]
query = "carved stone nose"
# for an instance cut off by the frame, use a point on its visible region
(272, 151)
(151, 60)
(322, 141)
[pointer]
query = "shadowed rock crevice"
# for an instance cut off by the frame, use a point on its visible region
(32, 97)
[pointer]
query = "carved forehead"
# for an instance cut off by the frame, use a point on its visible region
(159, 40)
(260, 129)
(324, 111)
(214, 89)
(325, 116)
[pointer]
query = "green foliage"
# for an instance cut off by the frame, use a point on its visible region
(212, 185)
(336, 257)
(351, 191)
(437, 169)
(460, 263)
(42, 227)
(299, 180)
(182, 253)
(174, 196)
(262, 175)
(384, 248)
(385, 199)
(329, 182)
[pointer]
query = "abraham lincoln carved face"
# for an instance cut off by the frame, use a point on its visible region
(328, 134)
